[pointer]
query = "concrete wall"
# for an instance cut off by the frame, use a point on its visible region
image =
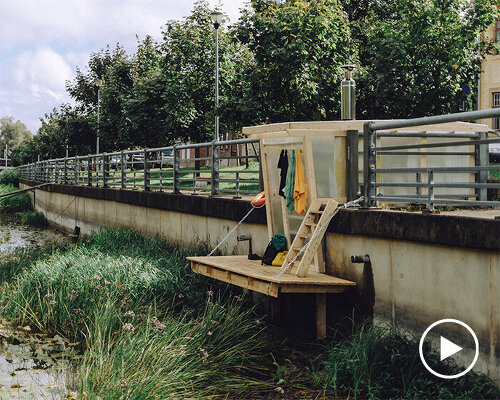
(423, 267)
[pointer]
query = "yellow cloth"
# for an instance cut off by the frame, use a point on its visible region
(299, 189)
(279, 259)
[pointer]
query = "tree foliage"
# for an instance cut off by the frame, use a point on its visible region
(418, 54)
(12, 133)
(281, 61)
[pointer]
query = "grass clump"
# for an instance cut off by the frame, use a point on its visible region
(9, 177)
(383, 363)
(149, 327)
(15, 203)
(34, 218)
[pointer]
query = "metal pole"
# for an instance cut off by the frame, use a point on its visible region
(217, 84)
(437, 119)
(98, 116)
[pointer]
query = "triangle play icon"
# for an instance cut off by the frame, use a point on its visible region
(448, 348)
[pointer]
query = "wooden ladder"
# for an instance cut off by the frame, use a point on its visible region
(317, 214)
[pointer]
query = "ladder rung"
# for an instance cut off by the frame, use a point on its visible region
(297, 249)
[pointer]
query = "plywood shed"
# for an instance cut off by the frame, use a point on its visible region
(323, 151)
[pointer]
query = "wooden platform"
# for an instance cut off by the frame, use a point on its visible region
(250, 274)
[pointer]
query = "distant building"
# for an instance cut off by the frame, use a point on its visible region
(490, 78)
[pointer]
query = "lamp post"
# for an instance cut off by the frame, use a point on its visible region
(216, 17)
(98, 82)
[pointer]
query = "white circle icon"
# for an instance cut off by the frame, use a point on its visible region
(448, 348)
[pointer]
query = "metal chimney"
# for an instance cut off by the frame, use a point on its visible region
(348, 94)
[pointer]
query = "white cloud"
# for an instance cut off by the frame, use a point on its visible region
(43, 41)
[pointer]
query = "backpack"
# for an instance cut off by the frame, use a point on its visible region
(271, 250)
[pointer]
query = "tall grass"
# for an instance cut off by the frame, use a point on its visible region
(384, 363)
(15, 203)
(149, 327)
(9, 177)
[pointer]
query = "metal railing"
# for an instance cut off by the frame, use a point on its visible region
(426, 187)
(194, 168)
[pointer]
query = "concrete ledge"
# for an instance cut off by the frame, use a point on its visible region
(478, 233)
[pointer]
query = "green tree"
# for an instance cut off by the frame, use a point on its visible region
(417, 55)
(12, 133)
(298, 47)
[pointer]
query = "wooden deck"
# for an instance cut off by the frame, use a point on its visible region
(250, 274)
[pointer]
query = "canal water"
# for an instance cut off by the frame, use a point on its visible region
(32, 366)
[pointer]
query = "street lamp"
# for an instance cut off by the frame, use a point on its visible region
(99, 83)
(216, 17)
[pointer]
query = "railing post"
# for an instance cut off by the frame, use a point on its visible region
(419, 180)
(215, 169)
(369, 164)
(176, 171)
(430, 190)
(65, 170)
(146, 171)
(77, 170)
(352, 168)
(105, 165)
(482, 160)
(89, 170)
(124, 169)
(237, 195)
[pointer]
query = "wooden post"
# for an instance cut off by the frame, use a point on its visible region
(320, 315)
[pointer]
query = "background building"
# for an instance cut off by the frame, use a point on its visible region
(490, 79)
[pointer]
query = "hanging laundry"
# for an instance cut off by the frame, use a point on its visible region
(283, 166)
(299, 189)
(290, 182)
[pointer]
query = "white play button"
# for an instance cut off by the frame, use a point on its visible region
(448, 348)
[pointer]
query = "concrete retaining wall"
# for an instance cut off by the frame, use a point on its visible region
(423, 267)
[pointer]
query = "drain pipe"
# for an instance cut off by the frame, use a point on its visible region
(348, 94)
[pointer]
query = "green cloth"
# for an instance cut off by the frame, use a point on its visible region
(290, 182)
(279, 242)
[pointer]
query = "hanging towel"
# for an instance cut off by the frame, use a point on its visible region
(283, 166)
(299, 189)
(290, 182)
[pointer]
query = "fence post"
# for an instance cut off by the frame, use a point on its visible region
(352, 168)
(65, 170)
(419, 180)
(215, 169)
(105, 165)
(482, 160)
(175, 172)
(89, 170)
(237, 195)
(430, 190)
(123, 164)
(77, 170)
(369, 164)
(146, 171)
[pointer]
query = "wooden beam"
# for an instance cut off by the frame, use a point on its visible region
(320, 315)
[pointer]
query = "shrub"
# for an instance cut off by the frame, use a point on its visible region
(9, 177)
(34, 218)
(384, 363)
(15, 203)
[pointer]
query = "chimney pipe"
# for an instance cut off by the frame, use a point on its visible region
(348, 94)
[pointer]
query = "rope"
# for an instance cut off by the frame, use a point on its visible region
(304, 248)
(232, 230)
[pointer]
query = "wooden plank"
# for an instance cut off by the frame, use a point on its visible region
(286, 222)
(320, 315)
(267, 190)
(312, 289)
(305, 263)
(252, 268)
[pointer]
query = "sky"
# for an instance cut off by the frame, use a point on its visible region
(42, 42)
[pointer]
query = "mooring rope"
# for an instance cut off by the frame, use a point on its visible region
(232, 230)
(304, 247)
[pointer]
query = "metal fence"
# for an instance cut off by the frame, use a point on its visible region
(432, 185)
(194, 168)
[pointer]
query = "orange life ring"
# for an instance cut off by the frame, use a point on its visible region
(259, 200)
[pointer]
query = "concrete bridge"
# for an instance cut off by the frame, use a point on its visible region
(423, 267)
